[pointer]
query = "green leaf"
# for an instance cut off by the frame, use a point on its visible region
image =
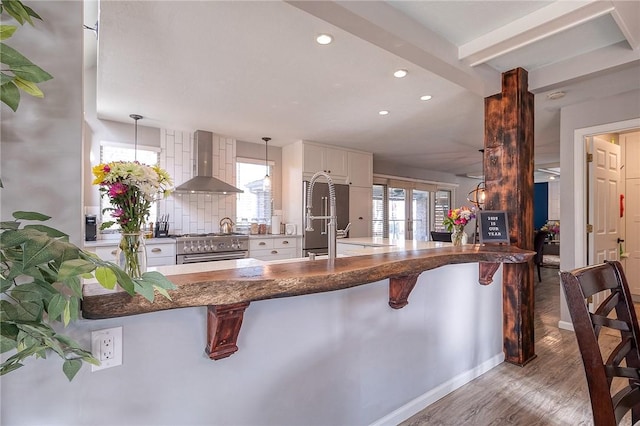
(74, 307)
(74, 285)
(71, 368)
(124, 280)
(39, 250)
(106, 277)
(145, 289)
(21, 66)
(74, 267)
(56, 305)
(10, 224)
(28, 87)
(28, 311)
(10, 95)
(106, 225)
(31, 292)
(31, 12)
(15, 12)
(66, 314)
(159, 280)
(7, 31)
(30, 216)
(14, 238)
(52, 232)
(7, 344)
(5, 285)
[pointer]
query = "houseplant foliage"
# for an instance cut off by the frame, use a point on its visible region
(18, 73)
(40, 270)
(41, 285)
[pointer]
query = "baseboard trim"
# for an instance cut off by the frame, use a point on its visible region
(423, 401)
(565, 325)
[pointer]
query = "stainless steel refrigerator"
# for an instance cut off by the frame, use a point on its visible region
(316, 241)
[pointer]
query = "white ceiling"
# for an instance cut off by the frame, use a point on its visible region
(252, 69)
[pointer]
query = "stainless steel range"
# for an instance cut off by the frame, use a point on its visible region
(194, 248)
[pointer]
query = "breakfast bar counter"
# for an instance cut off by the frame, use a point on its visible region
(247, 280)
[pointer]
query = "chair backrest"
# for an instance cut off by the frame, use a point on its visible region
(616, 312)
(538, 245)
(441, 236)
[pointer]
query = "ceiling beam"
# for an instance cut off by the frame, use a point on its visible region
(555, 18)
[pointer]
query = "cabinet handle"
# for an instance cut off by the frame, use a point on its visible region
(360, 218)
(114, 252)
(285, 242)
(262, 243)
(156, 250)
(274, 251)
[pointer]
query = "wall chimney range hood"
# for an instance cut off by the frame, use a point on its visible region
(203, 180)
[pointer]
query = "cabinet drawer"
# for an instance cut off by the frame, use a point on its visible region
(284, 243)
(161, 261)
(260, 244)
(107, 253)
(273, 254)
(160, 250)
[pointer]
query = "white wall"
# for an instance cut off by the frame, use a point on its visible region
(41, 158)
(625, 106)
(335, 358)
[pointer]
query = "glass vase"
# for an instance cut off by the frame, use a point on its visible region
(131, 255)
(458, 236)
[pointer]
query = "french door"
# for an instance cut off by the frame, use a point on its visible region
(409, 214)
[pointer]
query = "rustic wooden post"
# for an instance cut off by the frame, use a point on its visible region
(508, 171)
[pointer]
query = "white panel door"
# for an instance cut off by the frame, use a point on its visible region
(632, 234)
(604, 181)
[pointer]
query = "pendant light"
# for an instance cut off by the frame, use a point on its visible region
(478, 195)
(266, 183)
(136, 117)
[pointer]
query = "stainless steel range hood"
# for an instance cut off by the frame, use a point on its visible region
(203, 180)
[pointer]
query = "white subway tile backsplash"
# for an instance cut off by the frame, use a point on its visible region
(195, 213)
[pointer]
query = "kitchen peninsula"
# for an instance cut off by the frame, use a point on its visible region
(339, 342)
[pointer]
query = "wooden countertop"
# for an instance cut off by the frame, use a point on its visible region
(243, 284)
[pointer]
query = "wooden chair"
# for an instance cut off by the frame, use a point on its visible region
(538, 246)
(616, 312)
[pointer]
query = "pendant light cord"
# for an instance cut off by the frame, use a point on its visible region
(266, 155)
(136, 117)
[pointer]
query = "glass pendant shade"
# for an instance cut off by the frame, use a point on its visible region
(266, 182)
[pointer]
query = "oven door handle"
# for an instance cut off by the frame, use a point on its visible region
(213, 257)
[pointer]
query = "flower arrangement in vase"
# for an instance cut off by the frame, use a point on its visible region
(132, 188)
(455, 222)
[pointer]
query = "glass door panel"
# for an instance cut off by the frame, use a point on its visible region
(379, 226)
(420, 216)
(397, 213)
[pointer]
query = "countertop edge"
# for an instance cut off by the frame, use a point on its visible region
(267, 281)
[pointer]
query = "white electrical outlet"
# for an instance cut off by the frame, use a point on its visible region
(106, 347)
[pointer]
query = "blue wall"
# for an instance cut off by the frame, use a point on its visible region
(540, 204)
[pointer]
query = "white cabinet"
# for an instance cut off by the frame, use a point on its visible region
(322, 158)
(273, 248)
(360, 211)
(159, 253)
(360, 168)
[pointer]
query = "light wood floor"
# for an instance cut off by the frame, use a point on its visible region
(550, 390)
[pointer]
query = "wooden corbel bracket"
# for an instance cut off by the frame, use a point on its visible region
(486, 272)
(399, 290)
(223, 327)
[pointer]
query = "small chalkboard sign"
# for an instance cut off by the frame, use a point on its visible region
(494, 227)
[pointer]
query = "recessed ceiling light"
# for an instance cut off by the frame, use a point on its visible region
(400, 73)
(324, 38)
(552, 178)
(425, 97)
(383, 112)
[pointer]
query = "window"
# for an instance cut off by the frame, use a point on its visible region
(111, 151)
(442, 207)
(255, 203)
(404, 209)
